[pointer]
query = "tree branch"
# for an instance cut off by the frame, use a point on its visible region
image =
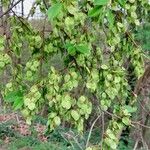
(9, 9)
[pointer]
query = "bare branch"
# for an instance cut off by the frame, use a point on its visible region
(9, 9)
(87, 143)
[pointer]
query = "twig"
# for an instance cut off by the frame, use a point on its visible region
(9, 9)
(144, 143)
(17, 118)
(22, 7)
(134, 42)
(69, 135)
(33, 6)
(132, 122)
(102, 131)
(136, 144)
(45, 4)
(87, 143)
(22, 21)
(111, 114)
(67, 140)
(144, 108)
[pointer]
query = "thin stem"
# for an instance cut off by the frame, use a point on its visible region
(9, 9)
(87, 143)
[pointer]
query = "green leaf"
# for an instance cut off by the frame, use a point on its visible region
(57, 120)
(28, 120)
(112, 136)
(25, 112)
(72, 9)
(82, 48)
(126, 121)
(101, 2)
(1, 40)
(104, 67)
(111, 143)
(122, 2)
(75, 115)
(82, 99)
(110, 17)
(52, 115)
(27, 101)
(69, 22)
(104, 107)
(117, 79)
(66, 102)
(18, 103)
(109, 77)
(80, 125)
(89, 148)
(71, 49)
(12, 96)
(96, 11)
(130, 109)
(84, 108)
(31, 106)
(2, 64)
(54, 11)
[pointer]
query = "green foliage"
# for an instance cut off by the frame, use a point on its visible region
(91, 70)
(4, 57)
(95, 11)
(58, 139)
(54, 11)
(102, 2)
(6, 131)
(15, 97)
(143, 36)
(123, 146)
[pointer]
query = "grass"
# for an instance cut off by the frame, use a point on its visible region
(34, 144)
(60, 139)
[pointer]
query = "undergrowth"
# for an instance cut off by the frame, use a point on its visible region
(59, 139)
